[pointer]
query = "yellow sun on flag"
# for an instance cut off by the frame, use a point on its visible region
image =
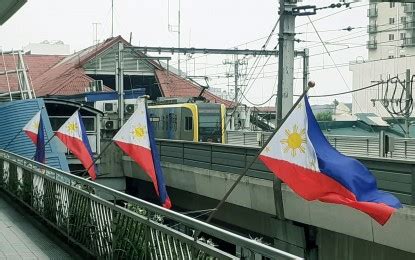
(294, 140)
(35, 125)
(139, 132)
(72, 127)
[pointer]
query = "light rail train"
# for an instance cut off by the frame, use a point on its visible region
(198, 122)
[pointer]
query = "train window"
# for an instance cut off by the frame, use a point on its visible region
(188, 123)
(155, 120)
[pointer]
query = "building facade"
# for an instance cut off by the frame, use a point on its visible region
(391, 52)
(391, 30)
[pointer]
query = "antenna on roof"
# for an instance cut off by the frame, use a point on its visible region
(95, 33)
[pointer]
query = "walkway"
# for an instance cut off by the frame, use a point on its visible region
(21, 239)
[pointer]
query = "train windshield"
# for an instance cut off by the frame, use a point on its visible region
(210, 124)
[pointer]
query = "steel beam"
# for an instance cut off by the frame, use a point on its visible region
(174, 50)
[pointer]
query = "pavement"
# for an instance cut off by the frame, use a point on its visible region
(20, 237)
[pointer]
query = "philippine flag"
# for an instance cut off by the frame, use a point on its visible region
(300, 155)
(35, 130)
(72, 133)
(136, 138)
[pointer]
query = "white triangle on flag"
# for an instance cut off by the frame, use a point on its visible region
(33, 124)
(135, 130)
(72, 127)
(291, 142)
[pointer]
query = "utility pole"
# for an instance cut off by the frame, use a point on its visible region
(306, 71)
(178, 35)
(120, 83)
(171, 29)
(236, 80)
(408, 103)
(285, 59)
(286, 54)
(112, 18)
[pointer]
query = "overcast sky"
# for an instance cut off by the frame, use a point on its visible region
(207, 24)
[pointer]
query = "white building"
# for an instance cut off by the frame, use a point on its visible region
(391, 30)
(47, 48)
(391, 49)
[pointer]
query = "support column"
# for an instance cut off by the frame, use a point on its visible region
(120, 78)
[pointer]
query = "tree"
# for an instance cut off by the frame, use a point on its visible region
(324, 116)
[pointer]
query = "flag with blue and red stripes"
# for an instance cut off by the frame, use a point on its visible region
(73, 134)
(300, 155)
(136, 138)
(36, 132)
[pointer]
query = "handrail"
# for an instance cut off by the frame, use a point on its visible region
(55, 174)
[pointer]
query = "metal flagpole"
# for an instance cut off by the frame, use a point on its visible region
(11, 141)
(310, 85)
(96, 159)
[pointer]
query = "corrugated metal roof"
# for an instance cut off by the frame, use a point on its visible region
(13, 117)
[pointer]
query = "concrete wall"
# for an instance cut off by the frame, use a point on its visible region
(307, 227)
(398, 232)
(251, 211)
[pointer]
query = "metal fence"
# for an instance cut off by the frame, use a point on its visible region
(403, 148)
(355, 145)
(126, 227)
(400, 148)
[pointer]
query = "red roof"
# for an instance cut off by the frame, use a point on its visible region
(68, 76)
(171, 85)
(63, 76)
(36, 64)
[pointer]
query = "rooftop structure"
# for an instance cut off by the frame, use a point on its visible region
(47, 48)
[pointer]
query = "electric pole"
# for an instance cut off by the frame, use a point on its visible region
(285, 59)
(178, 30)
(120, 83)
(236, 80)
(112, 18)
(408, 103)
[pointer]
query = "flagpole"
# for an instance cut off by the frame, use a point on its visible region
(11, 141)
(96, 159)
(311, 84)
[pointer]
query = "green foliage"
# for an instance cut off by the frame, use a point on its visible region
(324, 116)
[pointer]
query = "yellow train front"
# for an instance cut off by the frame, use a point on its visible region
(198, 122)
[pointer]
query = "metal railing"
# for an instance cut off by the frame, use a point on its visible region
(372, 28)
(409, 41)
(409, 8)
(372, 12)
(133, 229)
(409, 25)
(372, 44)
